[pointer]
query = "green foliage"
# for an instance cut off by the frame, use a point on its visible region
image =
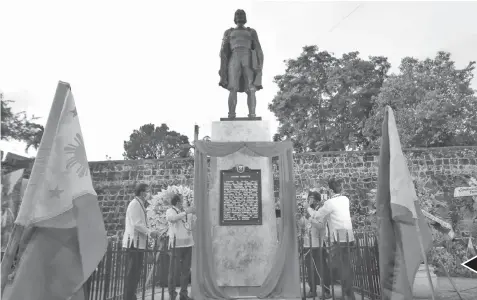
(323, 100)
(17, 126)
(328, 103)
(451, 256)
(151, 142)
(433, 102)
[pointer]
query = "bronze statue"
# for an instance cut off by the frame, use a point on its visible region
(241, 62)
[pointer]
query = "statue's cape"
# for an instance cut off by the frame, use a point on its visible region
(226, 54)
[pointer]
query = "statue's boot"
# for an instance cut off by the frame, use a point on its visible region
(232, 104)
(252, 103)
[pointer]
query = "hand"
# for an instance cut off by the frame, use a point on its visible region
(190, 210)
(307, 215)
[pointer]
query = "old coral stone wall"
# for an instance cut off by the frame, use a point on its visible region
(437, 171)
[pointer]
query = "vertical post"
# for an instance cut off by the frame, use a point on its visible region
(92, 285)
(450, 279)
(303, 271)
(313, 288)
(116, 267)
(424, 257)
(172, 265)
(107, 273)
(368, 265)
(321, 270)
(196, 132)
(331, 264)
(99, 279)
(144, 268)
(126, 258)
(359, 265)
(123, 270)
(375, 256)
(155, 259)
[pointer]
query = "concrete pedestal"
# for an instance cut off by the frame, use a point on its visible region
(243, 254)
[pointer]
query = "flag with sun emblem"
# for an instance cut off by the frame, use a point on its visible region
(60, 204)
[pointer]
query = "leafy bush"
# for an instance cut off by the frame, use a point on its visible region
(451, 258)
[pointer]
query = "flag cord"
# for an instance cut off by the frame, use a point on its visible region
(423, 253)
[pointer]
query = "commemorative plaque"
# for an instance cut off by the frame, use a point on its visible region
(240, 197)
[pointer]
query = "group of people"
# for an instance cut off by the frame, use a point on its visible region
(322, 222)
(137, 232)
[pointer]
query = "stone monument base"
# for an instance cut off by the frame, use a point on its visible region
(243, 254)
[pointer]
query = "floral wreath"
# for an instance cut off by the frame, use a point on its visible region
(156, 211)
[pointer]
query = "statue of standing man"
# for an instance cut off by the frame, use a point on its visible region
(241, 62)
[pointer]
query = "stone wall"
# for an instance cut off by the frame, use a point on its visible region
(437, 171)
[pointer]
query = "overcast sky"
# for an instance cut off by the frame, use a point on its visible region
(135, 62)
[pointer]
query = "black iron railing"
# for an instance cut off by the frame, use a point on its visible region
(108, 281)
(333, 264)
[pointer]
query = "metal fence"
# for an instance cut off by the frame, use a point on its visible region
(108, 281)
(333, 264)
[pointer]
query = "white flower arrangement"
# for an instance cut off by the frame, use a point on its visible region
(156, 211)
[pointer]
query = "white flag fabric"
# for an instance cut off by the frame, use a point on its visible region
(69, 238)
(403, 193)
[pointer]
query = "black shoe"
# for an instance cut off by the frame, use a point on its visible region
(185, 297)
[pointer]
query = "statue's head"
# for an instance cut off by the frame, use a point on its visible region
(240, 17)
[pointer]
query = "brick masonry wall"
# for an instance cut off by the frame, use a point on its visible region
(437, 171)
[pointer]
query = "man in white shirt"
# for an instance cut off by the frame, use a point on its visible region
(135, 239)
(180, 236)
(336, 211)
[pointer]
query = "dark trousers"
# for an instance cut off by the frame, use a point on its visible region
(341, 262)
(134, 261)
(316, 267)
(181, 261)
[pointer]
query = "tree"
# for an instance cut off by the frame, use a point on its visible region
(323, 101)
(151, 142)
(433, 102)
(17, 126)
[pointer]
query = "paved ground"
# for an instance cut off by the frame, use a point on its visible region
(444, 290)
(466, 286)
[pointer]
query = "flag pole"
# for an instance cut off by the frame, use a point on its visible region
(451, 281)
(424, 256)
